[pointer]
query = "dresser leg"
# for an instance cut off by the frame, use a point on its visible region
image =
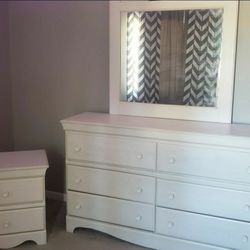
(40, 239)
(13, 240)
(70, 227)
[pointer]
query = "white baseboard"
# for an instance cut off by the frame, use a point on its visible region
(55, 195)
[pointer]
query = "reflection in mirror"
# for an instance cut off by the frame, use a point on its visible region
(171, 57)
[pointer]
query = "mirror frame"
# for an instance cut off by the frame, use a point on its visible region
(223, 111)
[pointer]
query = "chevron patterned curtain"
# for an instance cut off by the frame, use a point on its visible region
(143, 56)
(204, 29)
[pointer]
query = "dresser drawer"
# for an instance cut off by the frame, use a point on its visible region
(204, 161)
(25, 220)
(127, 213)
(202, 228)
(110, 183)
(107, 149)
(17, 191)
(204, 199)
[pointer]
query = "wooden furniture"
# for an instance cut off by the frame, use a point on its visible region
(22, 197)
(159, 183)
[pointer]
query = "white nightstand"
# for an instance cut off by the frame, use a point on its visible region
(22, 197)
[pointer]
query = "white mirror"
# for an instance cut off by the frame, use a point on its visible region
(173, 59)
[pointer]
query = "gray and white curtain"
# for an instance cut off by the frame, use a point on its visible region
(173, 56)
(143, 56)
(204, 30)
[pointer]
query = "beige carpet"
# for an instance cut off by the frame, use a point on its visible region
(81, 239)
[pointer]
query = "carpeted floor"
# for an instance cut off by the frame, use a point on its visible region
(81, 239)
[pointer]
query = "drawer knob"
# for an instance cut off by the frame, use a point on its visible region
(78, 180)
(139, 156)
(78, 206)
(139, 190)
(170, 224)
(247, 208)
(172, 160)
(138, 218)
(244, 238)
(6, 224)
(6, 194)
(171, 196)
(77, 149)
(248, 170)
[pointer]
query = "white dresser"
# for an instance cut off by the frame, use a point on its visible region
(22, 197)
(163, 184)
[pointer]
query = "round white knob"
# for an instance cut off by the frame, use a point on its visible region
(244, 238)
(170, 224)
(5, 194)
(77, 149)
(139, 156)
(247, 208)
(78, 180)
(6, 224)
(78, 206)
(138, 217)
(139, 190)
(171, 196)
(172, 160)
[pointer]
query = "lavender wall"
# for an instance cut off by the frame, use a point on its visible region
(241, 112)
(59, 67)
(6, 141)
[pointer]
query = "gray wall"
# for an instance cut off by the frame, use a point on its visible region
(241, 111)
(59, 67)
(6, 140)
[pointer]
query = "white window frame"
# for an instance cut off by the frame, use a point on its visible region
(223, 110)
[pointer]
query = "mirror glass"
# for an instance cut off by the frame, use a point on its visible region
(171, 57)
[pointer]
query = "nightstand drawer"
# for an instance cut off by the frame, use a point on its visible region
(113, 150)
(127, 213)
(204, 199)
(111, 183)
(201, 228)
(25, 220)
(204, 161)
(20, 191)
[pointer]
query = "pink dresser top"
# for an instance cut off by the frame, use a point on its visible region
(23, 159)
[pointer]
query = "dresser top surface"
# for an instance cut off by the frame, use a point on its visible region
(23, 160)
(135, 122)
